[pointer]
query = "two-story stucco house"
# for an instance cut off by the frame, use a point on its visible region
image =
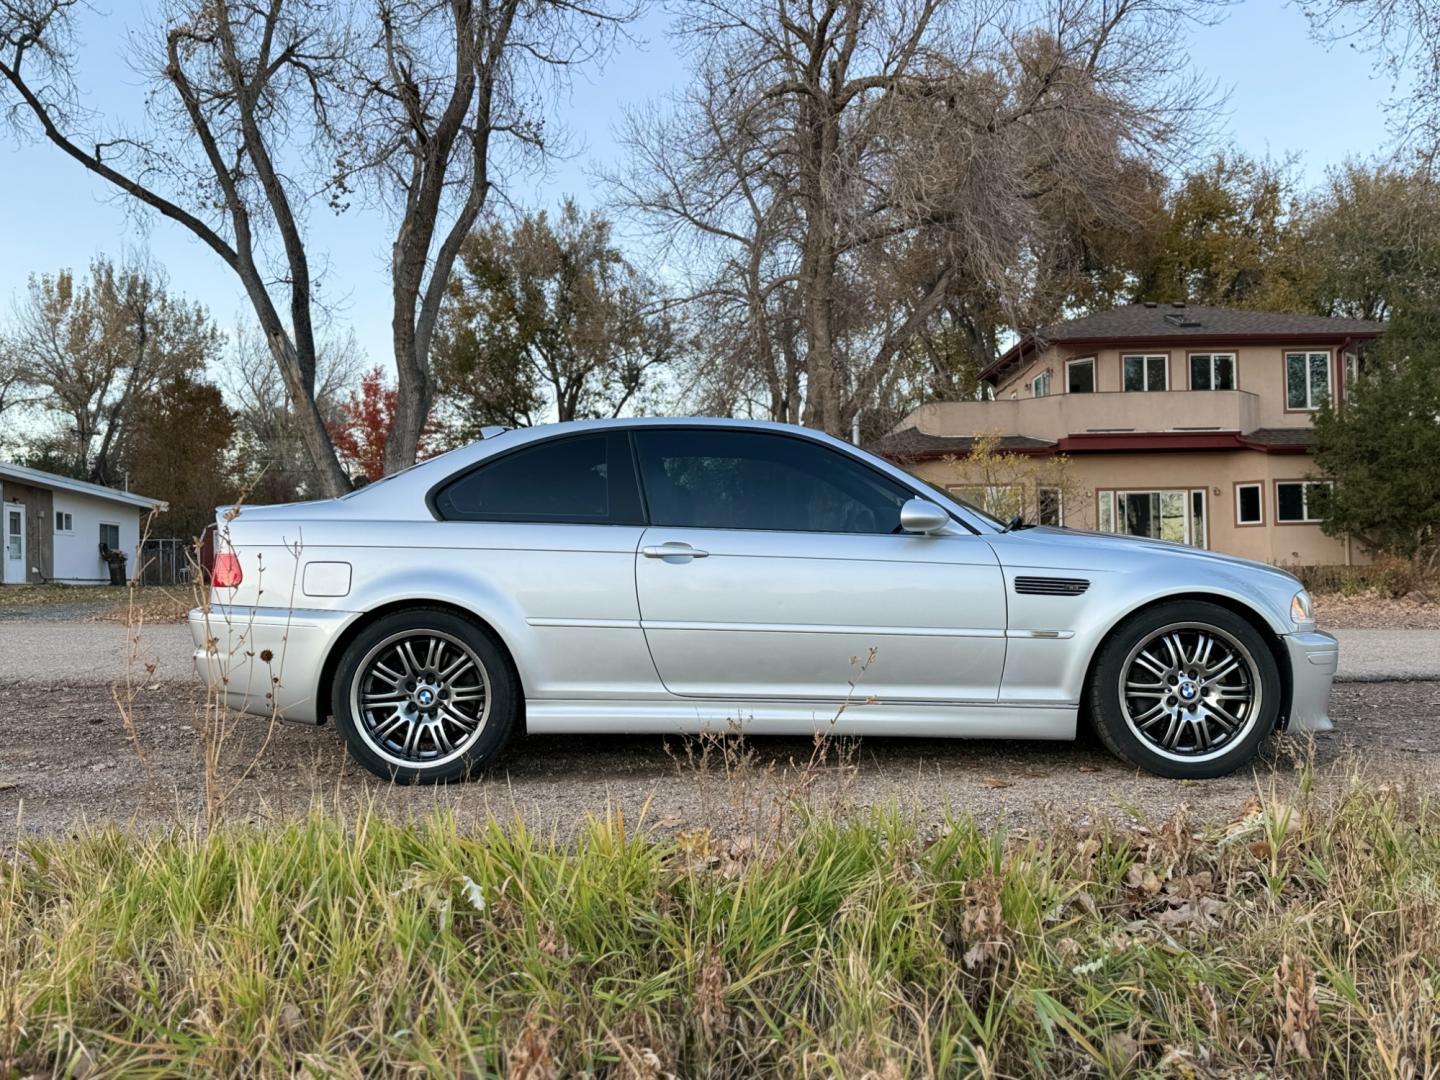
(1173, 421)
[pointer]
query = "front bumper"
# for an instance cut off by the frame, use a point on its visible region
(1314, 657)
(267, 661)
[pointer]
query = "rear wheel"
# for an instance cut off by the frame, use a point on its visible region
(1185, 689)
(424, 696)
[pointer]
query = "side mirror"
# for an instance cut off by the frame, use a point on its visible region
(922, 516)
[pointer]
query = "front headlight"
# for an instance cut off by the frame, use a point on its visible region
(1301, 613)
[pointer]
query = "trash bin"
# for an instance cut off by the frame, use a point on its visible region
(115, 560)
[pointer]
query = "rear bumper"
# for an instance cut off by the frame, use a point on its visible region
(1314, 657)
(267, 661)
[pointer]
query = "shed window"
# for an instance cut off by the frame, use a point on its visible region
(64, 522)
(110, 535)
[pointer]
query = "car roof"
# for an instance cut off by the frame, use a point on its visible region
(415, 483)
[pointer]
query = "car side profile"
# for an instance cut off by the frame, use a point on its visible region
(677, 576)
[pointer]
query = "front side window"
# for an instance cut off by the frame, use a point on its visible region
(110, 535)
(1298, 501)
(64, 522)
(1212, 371)
(1080, 376)
(715, 479)
(1249, 507)
(1040, 385)
(585, 480)
(1151, 372)
(1307, 380)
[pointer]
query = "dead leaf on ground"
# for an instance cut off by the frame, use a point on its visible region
(997, 782)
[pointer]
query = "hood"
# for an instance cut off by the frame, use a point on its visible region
(1111, 543)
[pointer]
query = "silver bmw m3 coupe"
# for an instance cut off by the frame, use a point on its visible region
(677, 576)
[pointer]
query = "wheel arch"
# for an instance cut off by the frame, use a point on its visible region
(353, 629)
(1248, 612)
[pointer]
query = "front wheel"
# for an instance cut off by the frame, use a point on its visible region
(424, 696)
(1186, 689)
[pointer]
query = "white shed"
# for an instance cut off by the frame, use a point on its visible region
(52, 527)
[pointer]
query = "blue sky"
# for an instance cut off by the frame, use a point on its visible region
(1286, 94)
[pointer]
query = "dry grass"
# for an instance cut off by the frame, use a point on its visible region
(1301, 939)
(104, 603)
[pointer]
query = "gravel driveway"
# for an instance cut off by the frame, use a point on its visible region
(80, 761)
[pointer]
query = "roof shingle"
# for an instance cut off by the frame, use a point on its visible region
(1199, 321)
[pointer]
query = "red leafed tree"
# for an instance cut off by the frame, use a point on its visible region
(363, 425)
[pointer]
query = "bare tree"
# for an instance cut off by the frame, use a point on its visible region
(928, 152)
(1404, 37)
(440, 89)
(260, 108)
(91, 351)
(236, 82)
(270, 456)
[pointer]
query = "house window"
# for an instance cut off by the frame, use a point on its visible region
(1249, 506)
(64, 522)
(110, 535)
(1177, 516)
(1300, 501)
(1080, 376)
(1147, 372)
(1040, 385)
(1307, 380)
(1212, 371)
(1050, 506)
(1001, 501)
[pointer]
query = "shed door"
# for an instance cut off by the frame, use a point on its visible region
(14, 543)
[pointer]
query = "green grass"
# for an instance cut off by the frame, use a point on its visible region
(1300, 939)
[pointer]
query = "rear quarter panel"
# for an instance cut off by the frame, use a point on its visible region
(561, 598)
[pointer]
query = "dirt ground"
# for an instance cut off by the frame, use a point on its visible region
(79, 761)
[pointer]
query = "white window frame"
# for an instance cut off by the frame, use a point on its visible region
(1037, 381)
(1260, 499)
(68, 517)
(1212, 357)
(1108, 506)
(1309, 354)
(1094, 384)
(113, 525)
(1059, 503)
(1305, 486)
(1145, 359)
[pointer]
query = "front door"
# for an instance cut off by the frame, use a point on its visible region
(774, 568)
(14, 544)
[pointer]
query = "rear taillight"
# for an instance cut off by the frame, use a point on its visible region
(226, 573)
(207, 553)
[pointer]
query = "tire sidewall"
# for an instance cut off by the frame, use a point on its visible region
(1104, 690)
(503, 696)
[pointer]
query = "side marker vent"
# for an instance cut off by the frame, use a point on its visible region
(1051, 586)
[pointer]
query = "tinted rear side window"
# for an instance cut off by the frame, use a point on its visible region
(750, 480)
(586, 480)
